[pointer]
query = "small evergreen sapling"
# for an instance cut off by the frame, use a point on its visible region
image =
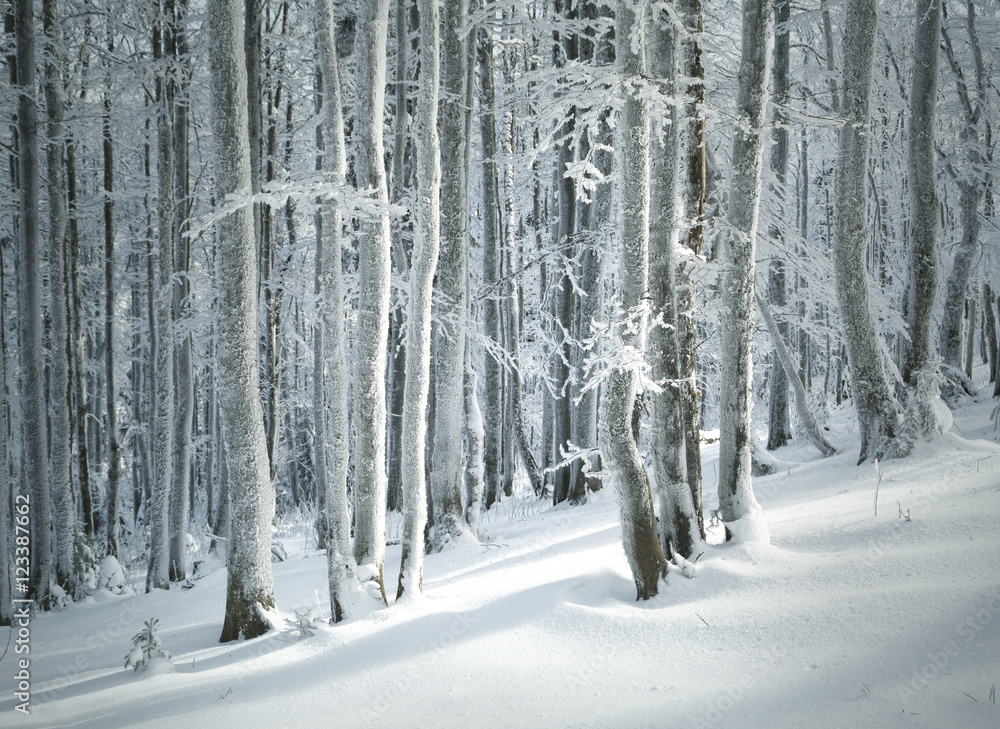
(147, 651)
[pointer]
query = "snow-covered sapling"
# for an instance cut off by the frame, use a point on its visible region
(147, 650)
(303, 623)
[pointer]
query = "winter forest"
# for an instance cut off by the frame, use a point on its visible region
(497, 362)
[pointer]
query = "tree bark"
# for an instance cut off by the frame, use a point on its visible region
(618, 447)
(426, 247)
(873, 401)
(250, 588)
(373, 283)
(36, 465)
(736, 499)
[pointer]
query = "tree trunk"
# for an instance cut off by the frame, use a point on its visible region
(36, 465)
(162, 341)
(922, 287)
(618, 447)
(990, 330)
(59, 397)
(373, 283)
(452, 280)
(693, 234)
(786, 362)
(736, 498)
(426, 247)
(250, 588)
(332, 373)
(779, 428)
(493, 402)
(184, 374)
(870, 391)
(678, 518)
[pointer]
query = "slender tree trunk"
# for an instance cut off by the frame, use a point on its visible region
(618, 447)
(736, 498)
(59, 397)
(110, 381)
(785, 360)
(779, 429)
(6, 485)
(493, 402)
(373, 283)
(36, 462)
(693, 234)
(184, 368)
(162, 344)
(331, 373)
(870, 391)
(990, 330)
(418, 334)
(250, 588)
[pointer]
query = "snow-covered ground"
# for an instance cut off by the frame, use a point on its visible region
(846, 619)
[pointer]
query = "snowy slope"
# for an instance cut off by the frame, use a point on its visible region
(846, 619)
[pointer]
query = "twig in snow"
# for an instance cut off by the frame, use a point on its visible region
(703, 620)
(972, 697)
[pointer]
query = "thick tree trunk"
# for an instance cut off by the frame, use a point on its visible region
(678, 518)
(250, 588)
(452, 306)
(618, 447)
(922, 287)
(36, 462)
(736, 499)
(873, 401)
(331, 373)
(373, 283)
(59, 397)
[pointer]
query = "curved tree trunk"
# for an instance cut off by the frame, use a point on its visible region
(873, 400)
(618, 447)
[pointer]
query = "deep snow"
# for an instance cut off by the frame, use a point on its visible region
(845, 619)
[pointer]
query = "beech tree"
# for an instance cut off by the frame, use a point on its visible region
(619, 450)
(736, 498)
(250, 589)
(870, 393)
(418, 332)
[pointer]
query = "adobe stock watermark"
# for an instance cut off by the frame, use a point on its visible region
(967, 630)
(21, 618)
(732, 695)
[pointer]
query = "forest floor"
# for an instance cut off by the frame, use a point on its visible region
(845, 619)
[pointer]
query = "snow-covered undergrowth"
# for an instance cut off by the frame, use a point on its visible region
(845, 619)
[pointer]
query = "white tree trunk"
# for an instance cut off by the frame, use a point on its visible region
(736, 499)
(678, 517)
(418, 331)
(618, 447)
(873, 400)
(452, 306)
(373, 285)
(331, 373)
(36, 465)
(923, 282)
(250, 589)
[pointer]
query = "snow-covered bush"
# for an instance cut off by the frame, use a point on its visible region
(111, 577)
(147, 652)
(303, 624)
